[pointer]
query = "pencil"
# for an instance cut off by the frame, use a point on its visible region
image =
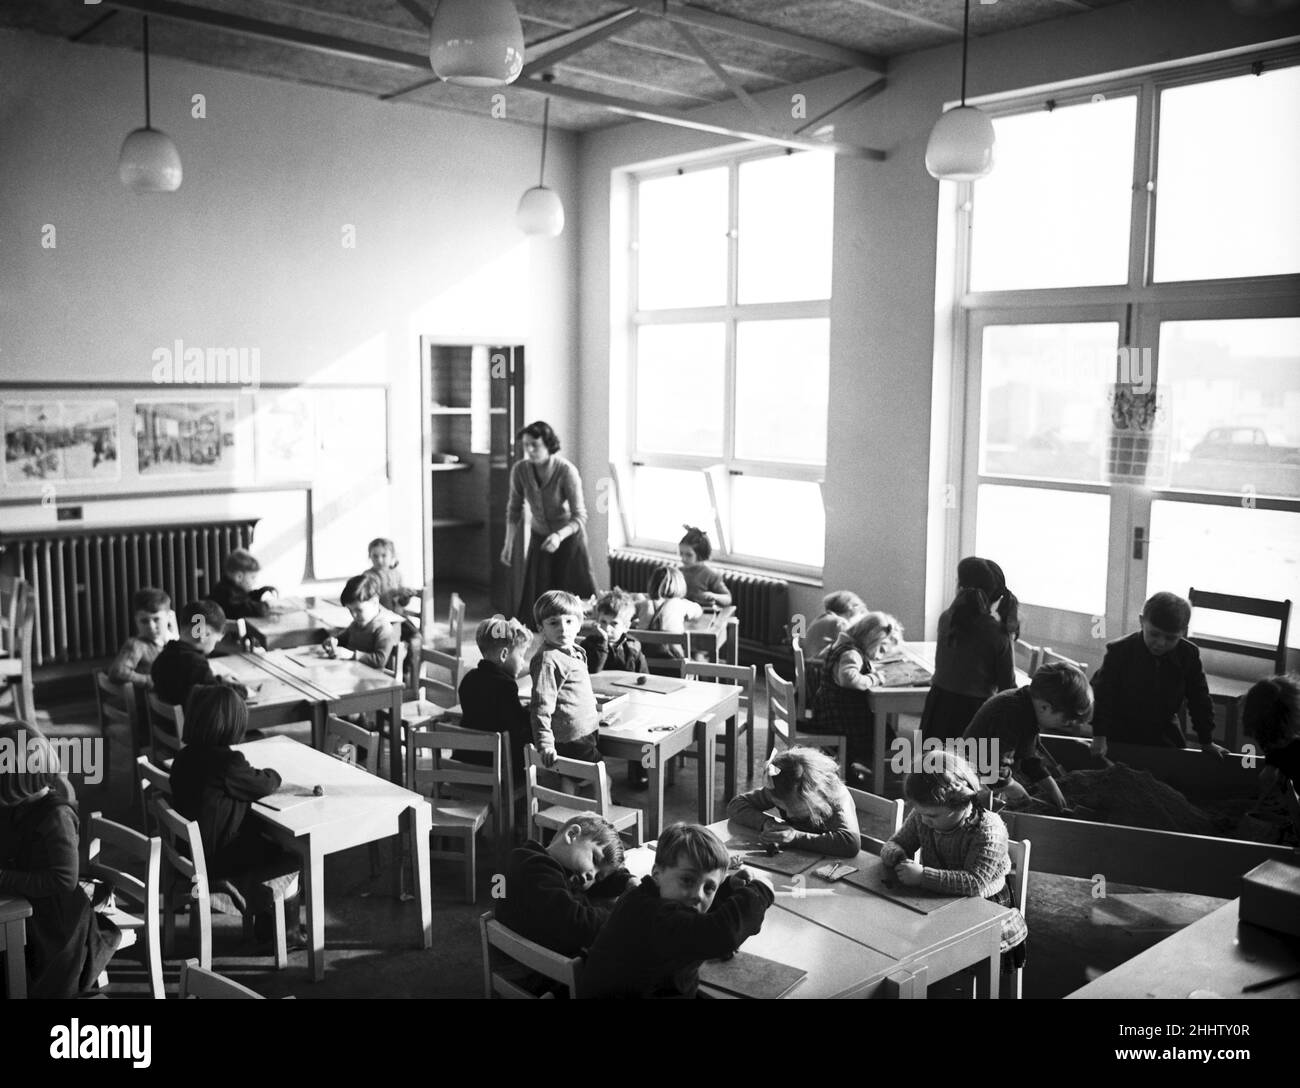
(1269, 983)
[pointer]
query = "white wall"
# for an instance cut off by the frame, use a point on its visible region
(883, 305)
(249, 251)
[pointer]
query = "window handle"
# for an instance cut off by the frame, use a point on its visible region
(1139, 542)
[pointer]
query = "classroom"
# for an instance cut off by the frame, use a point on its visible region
(491, 484)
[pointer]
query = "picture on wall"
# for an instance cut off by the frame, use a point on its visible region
(182, 438)
(68, 441)
(286, 434)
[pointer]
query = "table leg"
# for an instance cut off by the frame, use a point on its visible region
(880, 732)
(907, 983)
(395, 757)
(706, 746)
(15, 945)
(655, 813)
(733, 757)
(314, 885)
(419, 824)
(319, 712)
(990, 973)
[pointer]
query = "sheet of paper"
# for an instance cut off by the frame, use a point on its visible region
(658, 684)
(287, 797)
(748, 975)
(874, 877)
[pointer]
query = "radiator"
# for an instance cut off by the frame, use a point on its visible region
(762, 603)
(83, 579)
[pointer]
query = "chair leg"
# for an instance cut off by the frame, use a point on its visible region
(153, 955)
(169, 922)
(202, 908)
(281, 937)
(471, 867)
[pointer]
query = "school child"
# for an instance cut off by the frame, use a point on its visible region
(611, 647)
(1058, 697)
(704, 584)
(153, 630)
(667, 609)
(236, 593)
(963, 846)
(561, 895)
(68, 943)
(974, 657)
(370, 638)
(841, 704)
(687, 912)
(563, 710)
(393, 595)
(1271, 714)
(841, 609)
(815, 809)
(214, 785)
(489, 693)
(1146, 676)
(183, 662)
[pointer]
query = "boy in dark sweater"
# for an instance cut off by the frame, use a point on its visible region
(552, 892)
(688, 912)
(489, 693)
(235, 593)
(183, 663)
(1146, 676)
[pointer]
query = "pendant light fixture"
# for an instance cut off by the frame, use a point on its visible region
(149, 161)
(540, 211)
(961, 142)
(476, 43)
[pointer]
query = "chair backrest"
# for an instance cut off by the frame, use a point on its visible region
(781, 707)
(396, 666)
(456, 624)
(442, 771)
(664, 639)
(15, 610)
(1051, 657)
(166, 728)
(154, 781)
(352, 744)
(439, 677)
(880, 815)
(746, 676)
(1245, 606)
(182, 844)
(1027, 656)
(199, 982)
(800, 676)
(540, 795)
(1018, 878)
(142, 883)
(529, 954)
(115, 703)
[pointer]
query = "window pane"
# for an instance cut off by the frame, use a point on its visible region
(1052, 544)
(1226, 199)
(1055, 210)
(778, 519)
(1232, 390)
(787, 207)
(778, 419)
(1043, 407)
(679, 388)
(666, 499)
(1226, 549)
(682, 240)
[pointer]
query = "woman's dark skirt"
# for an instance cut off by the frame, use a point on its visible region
(568, 568)
(947, 714)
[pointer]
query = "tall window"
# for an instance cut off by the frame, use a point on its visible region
(1132, 378)
(731, 283)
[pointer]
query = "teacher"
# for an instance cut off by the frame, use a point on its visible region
(552, 486)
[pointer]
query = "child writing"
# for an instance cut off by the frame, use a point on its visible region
(393, 595)
(841, 704)
(842, 609)
(68, 943)
(154, 628)
(1271, 714)
(974, 656)
(370, 638)
(667, 609)
(687, 912)
(489, 693)
(611, 647)
(815, 809)
(563, 710)
(963, 847)
(235, 593)
(704, 584)
(183, 662)
(1146, 676)
(214, 785)
(552, 892)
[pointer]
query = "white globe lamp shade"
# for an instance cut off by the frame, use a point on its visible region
(540, 212)
(476, 43)
(961, 145)
(149, 162)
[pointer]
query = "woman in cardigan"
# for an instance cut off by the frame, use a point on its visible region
(552, 487)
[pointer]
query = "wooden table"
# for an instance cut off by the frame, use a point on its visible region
(1215, 956)
(355, 808)
(14, 910)
(298, 621)
(276, 697)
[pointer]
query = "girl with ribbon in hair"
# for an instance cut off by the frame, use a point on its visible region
(814, 810)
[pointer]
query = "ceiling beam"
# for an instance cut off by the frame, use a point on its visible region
(550, 51)
(90, 28)
(906, 16)
(868, 92)
(675, 12)
(728, 80)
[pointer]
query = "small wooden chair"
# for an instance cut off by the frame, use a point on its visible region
(664, 666)
(456, 626)
(352, 744)
(1051, 657)
(141, 884)
(199, 982)
(783, 722)
(528, 955)
(880, 814)
(166, 729)
(1027, 656)
(1018, 879)
(552, 808)
(747, 679)
(152, 781)
(17, 633)
(456, 818)
(802, 692)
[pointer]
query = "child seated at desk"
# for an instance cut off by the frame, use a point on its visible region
(183, 663)
(563, 710)
(842, 609)
(1146, 676)
(550, 890)
(68, 943)
(688, 911)
(704, 584)
(611, 647)
(235, 593)
(214, 785)
(393, 595)
(1271, 714)
(370, 638)
(816, 811)
(489, 693)
(963, 847)
(667, 609)
(154, 628)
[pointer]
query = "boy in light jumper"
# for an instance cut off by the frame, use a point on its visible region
(370, 638)
(563, 710)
